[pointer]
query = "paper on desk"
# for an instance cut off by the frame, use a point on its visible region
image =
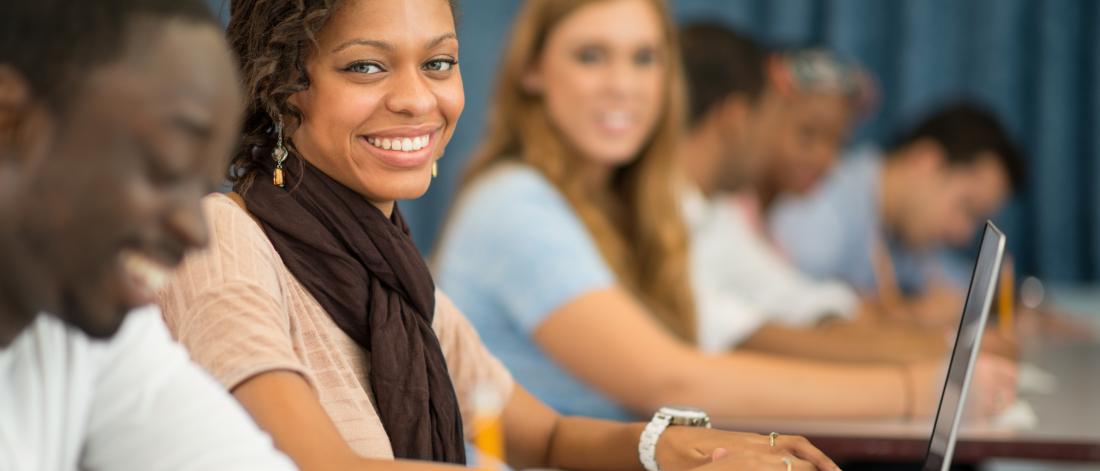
(1019, 416)
(1035, 380)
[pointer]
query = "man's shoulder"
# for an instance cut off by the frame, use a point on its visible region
(49, 336)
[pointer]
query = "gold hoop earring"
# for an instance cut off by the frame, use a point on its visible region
(279, 155)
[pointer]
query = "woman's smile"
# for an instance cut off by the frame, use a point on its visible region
(403, 148)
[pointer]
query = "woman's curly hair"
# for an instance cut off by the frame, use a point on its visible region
(272, 40)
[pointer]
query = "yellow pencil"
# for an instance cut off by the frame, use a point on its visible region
(488, 428)
(1007, 297)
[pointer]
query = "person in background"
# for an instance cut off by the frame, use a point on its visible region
(115, 117)
(748, 295)
(567, 248)
(313, 305)
(883, 220)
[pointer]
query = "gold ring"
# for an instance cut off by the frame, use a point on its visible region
(771, 438)
(788, 462)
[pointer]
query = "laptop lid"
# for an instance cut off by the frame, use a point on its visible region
(968, 342)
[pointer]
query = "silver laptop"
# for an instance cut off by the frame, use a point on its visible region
(968, 343)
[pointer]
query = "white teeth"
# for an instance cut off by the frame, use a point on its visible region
(403, 144)
(617, 119)
(144, 270)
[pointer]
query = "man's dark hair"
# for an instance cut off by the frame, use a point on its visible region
(718, 63)
(965, 131)
(55, 43)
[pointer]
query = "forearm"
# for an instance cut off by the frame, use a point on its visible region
(538, 437)
(847, 343)
(283, 404)
(745, 385)
(581, 444)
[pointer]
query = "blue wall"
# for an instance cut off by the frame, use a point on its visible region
(1036, 62)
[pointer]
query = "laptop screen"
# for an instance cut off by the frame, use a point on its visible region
(967, 345)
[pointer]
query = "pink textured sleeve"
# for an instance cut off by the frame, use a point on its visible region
(470, 363)
(225, 303)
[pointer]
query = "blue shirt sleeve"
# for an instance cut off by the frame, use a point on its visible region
(953, 268)
(515, 243)
(829, 233)
(812, 233)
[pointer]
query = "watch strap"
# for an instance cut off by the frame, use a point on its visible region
(647, 445)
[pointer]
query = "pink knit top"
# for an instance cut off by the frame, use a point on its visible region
(240, 312)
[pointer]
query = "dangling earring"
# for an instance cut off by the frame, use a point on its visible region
(279, 155)
(435, 169)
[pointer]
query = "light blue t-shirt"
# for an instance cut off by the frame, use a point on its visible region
(830, 233)
(514, 252)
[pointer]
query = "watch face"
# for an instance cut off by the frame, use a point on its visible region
(685, 415)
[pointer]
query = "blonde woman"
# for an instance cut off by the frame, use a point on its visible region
(568, 251)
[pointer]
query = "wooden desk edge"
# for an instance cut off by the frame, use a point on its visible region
(967, 451)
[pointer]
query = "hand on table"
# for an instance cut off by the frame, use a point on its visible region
(681, 448)
(940, 305)
(996, 343)
(992, 391)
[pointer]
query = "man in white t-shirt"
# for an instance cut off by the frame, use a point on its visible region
(744, 103)
(116, 116)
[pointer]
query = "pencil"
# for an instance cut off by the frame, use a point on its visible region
(488, 428)
(1007, 298)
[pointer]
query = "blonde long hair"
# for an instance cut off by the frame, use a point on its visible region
(636, 224)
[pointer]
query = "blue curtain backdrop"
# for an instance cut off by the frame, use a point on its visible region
(1036, 62)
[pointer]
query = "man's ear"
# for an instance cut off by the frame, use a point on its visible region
(15, 100)
(733, 112)
(779, 76)
(23, 122)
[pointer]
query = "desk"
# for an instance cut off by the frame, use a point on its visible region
(1069, 418)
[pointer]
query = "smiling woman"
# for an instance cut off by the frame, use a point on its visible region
(314, 307)
(363, 79)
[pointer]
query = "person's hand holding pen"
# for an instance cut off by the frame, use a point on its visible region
(997, 343)
(993, 386)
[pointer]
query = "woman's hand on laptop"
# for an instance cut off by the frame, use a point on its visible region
(723, 460)
(693, 447)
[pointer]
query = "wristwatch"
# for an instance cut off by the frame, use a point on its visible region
(665, 416)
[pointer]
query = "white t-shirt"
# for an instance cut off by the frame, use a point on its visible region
(134, 402)
(742, 283)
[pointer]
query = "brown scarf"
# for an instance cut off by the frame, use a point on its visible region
(369, 277)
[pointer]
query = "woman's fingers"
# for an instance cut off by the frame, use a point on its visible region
(718, 454)
(801, 448)
(796, 465)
